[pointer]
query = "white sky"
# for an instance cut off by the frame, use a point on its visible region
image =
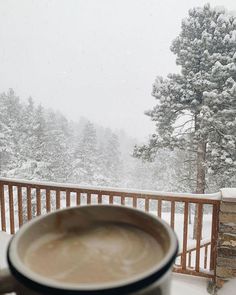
(96, 59)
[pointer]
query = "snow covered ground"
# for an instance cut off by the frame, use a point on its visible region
(186, 285)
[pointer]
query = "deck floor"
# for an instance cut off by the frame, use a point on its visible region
(188, 285)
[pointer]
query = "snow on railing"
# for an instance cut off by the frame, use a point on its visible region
(212, 196)
(22, 200)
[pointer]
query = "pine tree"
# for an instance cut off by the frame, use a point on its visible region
(57, 147)
(39, 152)
(6, 146)
(85, 169)
(10, 123)
(27, 130)
(195, 109)
(110, 161)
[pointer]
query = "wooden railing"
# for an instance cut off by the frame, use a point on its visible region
(193, 250)
(22, 200)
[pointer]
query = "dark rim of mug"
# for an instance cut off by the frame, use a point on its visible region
(116, 290)
(133, 287)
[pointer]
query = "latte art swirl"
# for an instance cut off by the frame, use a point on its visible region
(99, 254)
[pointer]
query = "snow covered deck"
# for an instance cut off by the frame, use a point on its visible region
(186, 285)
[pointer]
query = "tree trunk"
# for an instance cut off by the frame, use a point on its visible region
(201, 157)
(201, 181)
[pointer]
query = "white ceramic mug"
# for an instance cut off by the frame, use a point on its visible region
(152, 281)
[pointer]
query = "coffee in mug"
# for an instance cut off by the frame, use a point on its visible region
(94, 249)
(101, 253)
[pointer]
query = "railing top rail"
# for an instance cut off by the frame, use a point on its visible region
(140, 193)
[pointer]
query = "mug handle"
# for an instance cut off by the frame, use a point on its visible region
(7, 281)
(9, 284)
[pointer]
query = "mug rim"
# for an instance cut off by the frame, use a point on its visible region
(136, 282)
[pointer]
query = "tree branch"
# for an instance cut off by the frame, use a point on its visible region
(218, 131)
(182, 125)
(189, 179)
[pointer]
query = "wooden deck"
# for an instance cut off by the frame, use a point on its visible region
(23, 200)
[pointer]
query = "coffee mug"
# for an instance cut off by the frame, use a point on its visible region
(153, 279)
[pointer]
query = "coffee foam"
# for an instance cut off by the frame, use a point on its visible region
(105, 252)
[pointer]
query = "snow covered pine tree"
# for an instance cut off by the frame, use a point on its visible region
(196, 109)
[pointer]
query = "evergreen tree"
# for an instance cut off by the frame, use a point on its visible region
(57, 147)
(85, 164)
(40, 165)
(10, 130)
(6, 147)
(27, 130)
(110, 161)
(196, 109)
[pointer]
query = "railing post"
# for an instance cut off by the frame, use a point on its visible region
(2, 207)
(200, 264)
(226, 246)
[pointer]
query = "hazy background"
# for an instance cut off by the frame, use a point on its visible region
(95, 59)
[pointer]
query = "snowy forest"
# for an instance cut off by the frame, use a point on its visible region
(192, 150)
(40, 144)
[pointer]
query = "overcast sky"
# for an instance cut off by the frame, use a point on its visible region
(96, 59)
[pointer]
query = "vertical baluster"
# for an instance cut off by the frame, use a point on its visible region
(2, 204)
(185, 236)
(20, 208)
(111, 198)
(146, 204)
(199, 236)
(67, 198)
(215, 213)
(88, 198)
(11, 209)
(180, 260)
(189, 258)
(58, 199)
(134, 201)
(99, 198)
(172, 214)
(29, 203)
(122, 200)
(159, 207)
(38, 201)
(78, 200)
(48, 200)
(205, 256)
